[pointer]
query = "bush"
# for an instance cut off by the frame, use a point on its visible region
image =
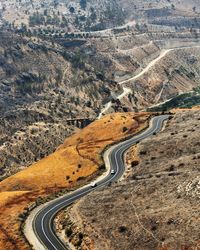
(68, 231)
(171, 168)
(102, 167)
(80, 235)
(134, 163)
(72, 10)
(80, 178)
(125, 129)
(122, 229)
(154, 228)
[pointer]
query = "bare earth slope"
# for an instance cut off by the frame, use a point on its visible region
(77, 161)
(156, 206)
(175, 73)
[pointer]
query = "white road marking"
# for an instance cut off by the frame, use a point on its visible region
(124, 145)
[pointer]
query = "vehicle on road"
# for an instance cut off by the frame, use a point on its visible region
(112, 171)
(43, 220)
(93, 184)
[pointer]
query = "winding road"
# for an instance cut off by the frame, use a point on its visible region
(126, 90)
(145, 70)
(43, 221)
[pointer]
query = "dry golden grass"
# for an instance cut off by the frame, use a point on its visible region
(79, 156)
(51, 172)
(11, 205)
(6, 197)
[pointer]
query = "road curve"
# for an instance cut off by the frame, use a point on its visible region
(42, 223)
(126, 90)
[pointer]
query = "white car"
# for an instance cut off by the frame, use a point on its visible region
(93, 185)
(112, 171)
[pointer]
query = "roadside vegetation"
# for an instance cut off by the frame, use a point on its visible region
(187, 100)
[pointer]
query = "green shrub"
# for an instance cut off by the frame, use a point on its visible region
(68, 231)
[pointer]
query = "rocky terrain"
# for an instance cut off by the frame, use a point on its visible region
(156, 204)
(169, 69)
(46, 85)
(176, 73)
(90, 15)
(44, 89)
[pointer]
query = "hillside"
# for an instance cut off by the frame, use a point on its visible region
(51, 82)
(74, 163)
(66, 15)
(155, 205)
(176, 73)
(90, 15)
(44, 88)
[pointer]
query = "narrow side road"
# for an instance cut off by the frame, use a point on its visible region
(40, 223)
(127, 91)
(163, 53)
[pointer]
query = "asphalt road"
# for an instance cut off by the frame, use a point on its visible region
(43, 222)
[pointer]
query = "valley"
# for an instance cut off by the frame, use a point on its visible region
(31, 118)
(77, 77)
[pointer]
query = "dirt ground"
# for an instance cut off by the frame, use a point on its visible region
(156, 206)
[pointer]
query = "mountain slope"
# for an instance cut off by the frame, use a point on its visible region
(77, 161)
(42, 86)
(155, 205)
